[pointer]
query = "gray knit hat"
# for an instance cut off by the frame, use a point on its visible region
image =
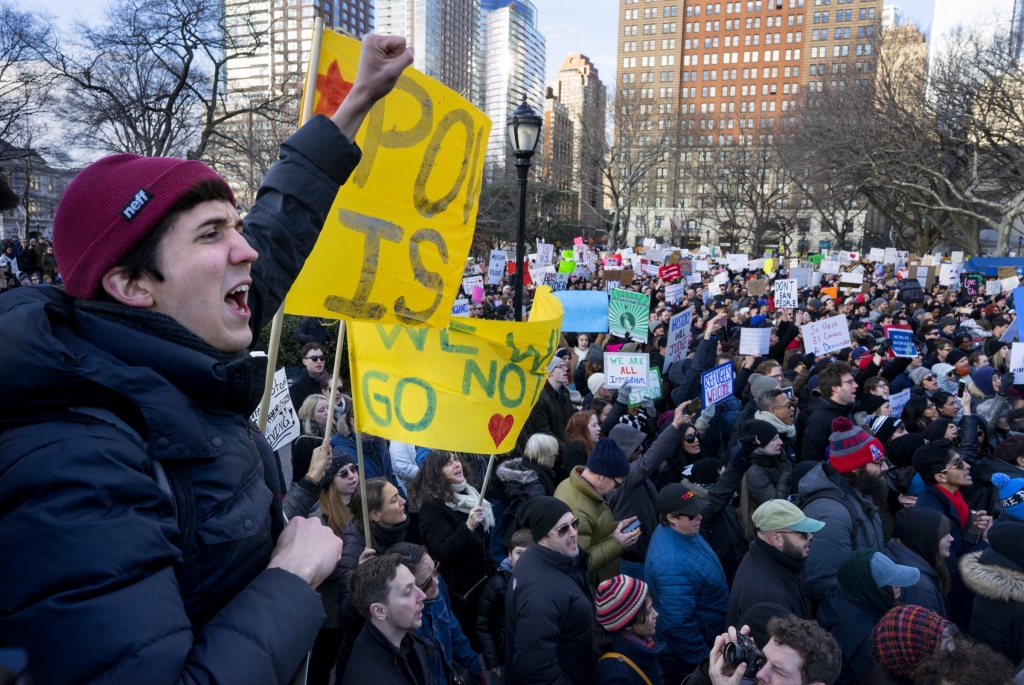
(760, 384)
(918, 374)
(595, 354)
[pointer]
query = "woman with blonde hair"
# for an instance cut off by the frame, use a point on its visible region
(313, 418)
(526, 477)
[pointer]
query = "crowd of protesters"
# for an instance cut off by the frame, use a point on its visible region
(798, 532)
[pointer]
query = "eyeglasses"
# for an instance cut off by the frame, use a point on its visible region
(853, 381)
(316, 358)
(433, 574)
(958, 465)
(562, 531)
(690, 437)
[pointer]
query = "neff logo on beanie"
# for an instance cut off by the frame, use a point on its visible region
(140, 200)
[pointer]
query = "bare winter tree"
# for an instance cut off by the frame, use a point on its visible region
(150, 78)
(644, 139)
(24, 83)
(939, 154)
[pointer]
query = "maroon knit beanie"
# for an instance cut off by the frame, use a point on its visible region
(110, 206)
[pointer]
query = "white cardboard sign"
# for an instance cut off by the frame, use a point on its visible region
(282, 421)
(626, 368)
(496, 267)
(827, 335)
(786, 293)
(755, 341)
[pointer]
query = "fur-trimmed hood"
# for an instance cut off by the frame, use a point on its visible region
(513, 471)
(993, 582)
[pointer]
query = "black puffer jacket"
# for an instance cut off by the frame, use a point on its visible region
(814, 437)
(550, 415)
(90, 524)
(998, 615)
(767, 575)
(550, 620)
(490, 619)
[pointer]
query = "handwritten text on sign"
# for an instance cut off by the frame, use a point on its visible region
(407, 213)
(785, 293)
(282, 423)
(716, 384)
(826, 336)
(413, 384)
(625, 368)
(679, 333)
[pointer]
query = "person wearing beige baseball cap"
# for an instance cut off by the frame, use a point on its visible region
(770, 572)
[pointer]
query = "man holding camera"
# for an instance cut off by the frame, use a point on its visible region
(798, 652)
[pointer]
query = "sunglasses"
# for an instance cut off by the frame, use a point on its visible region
(350, 469)
(929, 377)
(316, 358)
(958, 465)
(433, 574)
(690, 437)
(562, 531)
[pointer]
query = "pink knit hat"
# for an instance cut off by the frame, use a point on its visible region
(110, 206)
(618, 600)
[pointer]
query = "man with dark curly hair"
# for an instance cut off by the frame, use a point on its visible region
(799, 652)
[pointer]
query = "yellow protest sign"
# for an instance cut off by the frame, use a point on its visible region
(396, 240)
(468, 387)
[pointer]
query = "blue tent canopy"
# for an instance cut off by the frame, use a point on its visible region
(989, 266)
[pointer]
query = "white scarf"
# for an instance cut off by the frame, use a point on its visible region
(785, 430)
(467, 497)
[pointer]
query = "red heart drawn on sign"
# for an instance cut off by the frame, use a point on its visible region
(499, 426)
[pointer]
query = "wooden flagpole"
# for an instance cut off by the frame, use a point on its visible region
(277, 324)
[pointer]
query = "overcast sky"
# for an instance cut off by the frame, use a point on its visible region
(587, 26)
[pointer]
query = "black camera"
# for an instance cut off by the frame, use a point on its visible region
(744, 651)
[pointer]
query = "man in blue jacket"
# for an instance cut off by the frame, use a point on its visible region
(141, 512)
(687, 582)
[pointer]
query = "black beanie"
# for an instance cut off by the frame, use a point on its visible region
(764, 431)
(871, 403)
(901, 452)
(540, 515)
(954, 356)
(1008, 539)
(339, 460)
(705, 471)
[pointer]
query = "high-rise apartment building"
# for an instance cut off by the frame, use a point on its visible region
(514, 61)
(446, 36)
(732, 74)
(281, 33)
(890, 16)
(554, 159)
(578, 87)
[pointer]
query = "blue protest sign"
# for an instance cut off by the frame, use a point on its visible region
(586, 311)
(716, 384)
(1018, 299)
(902, 341)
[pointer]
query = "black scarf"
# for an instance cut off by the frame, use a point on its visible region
(384, 537)
(155, 324)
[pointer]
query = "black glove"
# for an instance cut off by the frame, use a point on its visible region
(884, 346)
(1005, 383)
(748, 443)
(809, 360)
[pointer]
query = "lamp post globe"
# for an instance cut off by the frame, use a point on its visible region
(523, 135)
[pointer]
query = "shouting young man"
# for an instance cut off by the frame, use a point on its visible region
(137, 527)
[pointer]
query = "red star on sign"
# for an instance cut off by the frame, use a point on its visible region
(333, 88)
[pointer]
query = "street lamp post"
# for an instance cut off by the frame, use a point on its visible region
(523, 134)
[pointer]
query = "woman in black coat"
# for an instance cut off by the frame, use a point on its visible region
(996, 576)
(490, 620)
(921, 540)
(455, 524)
